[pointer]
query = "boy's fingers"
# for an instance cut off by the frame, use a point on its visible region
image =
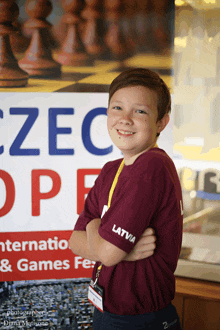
(148, 239)
(149, 231)
(147, 248)
(146, 252)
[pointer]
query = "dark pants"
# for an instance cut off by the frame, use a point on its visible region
(166, 318)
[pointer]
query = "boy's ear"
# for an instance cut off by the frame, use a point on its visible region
(163, 123)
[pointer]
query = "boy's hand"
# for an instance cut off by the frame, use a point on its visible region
(145, 246)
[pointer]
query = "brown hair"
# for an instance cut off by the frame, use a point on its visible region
(146, 78)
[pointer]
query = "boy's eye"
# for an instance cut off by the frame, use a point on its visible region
(141, 111)
(116, 107)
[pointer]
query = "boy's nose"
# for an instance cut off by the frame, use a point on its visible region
(126, 119)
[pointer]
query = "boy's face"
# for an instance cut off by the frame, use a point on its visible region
(132, 120)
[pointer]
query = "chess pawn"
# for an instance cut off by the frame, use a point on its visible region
(114, 38)
(73, 51)
(19, 42)
(94, 27)
(59, 30)
(11, 75)
(38, 60)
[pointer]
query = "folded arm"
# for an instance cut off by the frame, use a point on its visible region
(80, 245)
(90, 245)
(108, 253)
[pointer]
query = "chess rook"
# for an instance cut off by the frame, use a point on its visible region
(38, 60)
(73, 51)
(11, 75)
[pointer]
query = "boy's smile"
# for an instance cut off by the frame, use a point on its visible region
(132, 121)
(127, 133)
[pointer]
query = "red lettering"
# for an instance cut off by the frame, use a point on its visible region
(81, 189)
(10, 193)
(37, 195)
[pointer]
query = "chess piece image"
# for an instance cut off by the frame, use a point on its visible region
(11, 75)
(159, 25)
(91, 40)
(38, 60)
(94, 27)
(73, 51)
(114, 38)
(19, 42)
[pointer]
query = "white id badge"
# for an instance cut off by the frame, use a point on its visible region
(95, 295)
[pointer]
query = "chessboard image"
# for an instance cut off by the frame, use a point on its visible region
(82, 45)
(46, 304)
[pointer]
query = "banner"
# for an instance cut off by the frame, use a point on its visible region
(55, 74)
(53, 147)
(52, 150)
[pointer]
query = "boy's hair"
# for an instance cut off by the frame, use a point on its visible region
(146, 78)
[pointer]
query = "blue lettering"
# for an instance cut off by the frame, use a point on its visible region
(54, 131)
(15, 149)
(86, 136)
(2, 147)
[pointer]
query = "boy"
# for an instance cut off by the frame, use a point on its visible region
(130, 195)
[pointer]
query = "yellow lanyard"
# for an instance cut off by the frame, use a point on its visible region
(116, 179)
(115, 182)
